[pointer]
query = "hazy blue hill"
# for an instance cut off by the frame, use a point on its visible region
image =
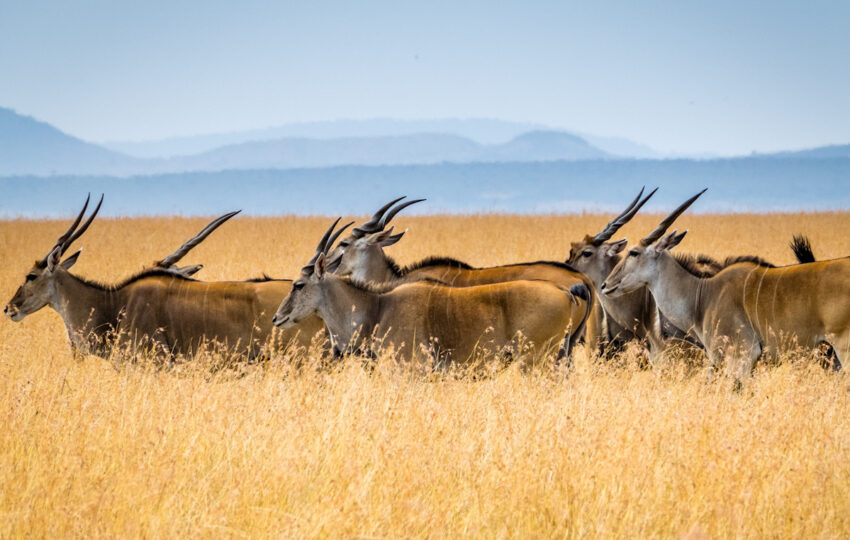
(294, 153)
(419, 149)
(822, 152)
(28, 146)
(481, 130)
(620, 146)
(747, 184)
(543, 146)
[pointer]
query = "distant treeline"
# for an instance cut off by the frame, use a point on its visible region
(745, 184)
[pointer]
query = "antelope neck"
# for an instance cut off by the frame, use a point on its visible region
(347, 309)
(84, 307)
(677, 292)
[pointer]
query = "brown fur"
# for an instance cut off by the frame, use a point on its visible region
(448, 324)
(365, 260)
(165, 311)
(749, 308)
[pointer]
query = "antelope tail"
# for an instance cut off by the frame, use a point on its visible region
(802, 249)
(579, 291)
(586, 293)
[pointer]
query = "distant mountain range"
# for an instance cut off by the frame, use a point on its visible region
(31, 147)
(823, 152)
(516, 168)
(424, 148)
(481, 130)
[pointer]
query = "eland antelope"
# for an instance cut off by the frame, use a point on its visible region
(631, 316)
(748, 309)
(361, 257)
(158, 310)
(447, 324)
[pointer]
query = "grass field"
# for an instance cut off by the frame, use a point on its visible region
(605, 450)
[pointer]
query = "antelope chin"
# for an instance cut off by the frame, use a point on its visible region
(16, 316)
(613, 292)
(285, 322)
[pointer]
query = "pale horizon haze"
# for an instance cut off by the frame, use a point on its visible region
(681, 77)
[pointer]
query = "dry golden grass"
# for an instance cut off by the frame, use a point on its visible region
(602, 451)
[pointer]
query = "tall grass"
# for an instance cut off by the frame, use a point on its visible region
(274, 450)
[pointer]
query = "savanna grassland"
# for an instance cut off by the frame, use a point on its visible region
(604, 450)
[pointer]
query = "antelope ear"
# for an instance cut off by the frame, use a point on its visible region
(670, 241)
(190, 270)
(332, 265)
(618, 246)
(393, 239)
(70, 261)
(319, 267)
(53, 259)
(381, 237)
(679, 238)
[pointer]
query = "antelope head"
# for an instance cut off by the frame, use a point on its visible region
(595, 256)
(39, 284)
(361, 253)
(641, 264)
(305, 297)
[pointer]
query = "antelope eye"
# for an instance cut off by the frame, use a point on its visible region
(344, 244)
(298, 285)
(586, 253)
(31, 277)
(634, 253)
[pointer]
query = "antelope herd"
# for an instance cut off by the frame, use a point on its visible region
(352, 298)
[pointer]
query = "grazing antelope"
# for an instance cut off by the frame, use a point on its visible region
(632, 316)
(749, 308)
(361, 257)
(448, 324)
(157, 309)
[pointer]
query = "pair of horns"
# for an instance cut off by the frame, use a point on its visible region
(381, 218)
(325, 243)
(664, 225)
(630, 212)
(187, 246)
(623, 218)
(68, 238)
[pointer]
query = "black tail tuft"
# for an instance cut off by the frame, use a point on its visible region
(580, 291)
(802, 249)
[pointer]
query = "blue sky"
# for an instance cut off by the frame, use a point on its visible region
(687, 77)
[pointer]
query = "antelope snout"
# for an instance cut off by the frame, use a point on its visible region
(278, 321)
(12, 312)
